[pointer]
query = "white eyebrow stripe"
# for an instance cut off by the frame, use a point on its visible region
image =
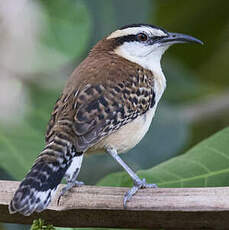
(136, 30)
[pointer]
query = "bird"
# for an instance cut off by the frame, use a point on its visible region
(106, 106)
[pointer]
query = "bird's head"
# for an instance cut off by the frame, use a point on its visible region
(144, 44)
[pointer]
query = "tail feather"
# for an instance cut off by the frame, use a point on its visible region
(36, 190)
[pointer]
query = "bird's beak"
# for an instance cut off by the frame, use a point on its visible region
(173, 38)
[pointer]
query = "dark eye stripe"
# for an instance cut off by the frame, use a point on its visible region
(128, 38)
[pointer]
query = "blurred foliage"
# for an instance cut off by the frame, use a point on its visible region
(205, 68)
(208, 20)
(66, 31)
(23, 141)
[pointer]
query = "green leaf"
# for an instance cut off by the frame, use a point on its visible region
(40, 225)
(206, 164)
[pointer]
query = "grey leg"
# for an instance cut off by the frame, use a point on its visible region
(71, 176)
(138, 183)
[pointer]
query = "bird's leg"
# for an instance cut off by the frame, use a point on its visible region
(138, 183)
(70, 184)
(72, 177)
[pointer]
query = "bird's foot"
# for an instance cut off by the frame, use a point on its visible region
(69, 186)
(138, 184)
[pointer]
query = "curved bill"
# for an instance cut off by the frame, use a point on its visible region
(173, 38)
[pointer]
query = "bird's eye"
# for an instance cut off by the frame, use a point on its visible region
(142, 37)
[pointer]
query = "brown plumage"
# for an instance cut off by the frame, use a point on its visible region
(104, 93)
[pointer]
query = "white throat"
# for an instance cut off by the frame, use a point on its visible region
(149, 59)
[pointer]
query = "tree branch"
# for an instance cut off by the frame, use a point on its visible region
(92, 206)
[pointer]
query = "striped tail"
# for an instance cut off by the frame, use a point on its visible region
(37, 189)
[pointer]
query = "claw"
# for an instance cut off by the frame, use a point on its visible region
(69, 186)
(129, 194)
(138, 184)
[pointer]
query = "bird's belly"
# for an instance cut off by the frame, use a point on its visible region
(127, 136)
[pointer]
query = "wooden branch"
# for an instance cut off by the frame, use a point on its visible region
(92, 206)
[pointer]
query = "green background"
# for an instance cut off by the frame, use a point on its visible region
(193, 107)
